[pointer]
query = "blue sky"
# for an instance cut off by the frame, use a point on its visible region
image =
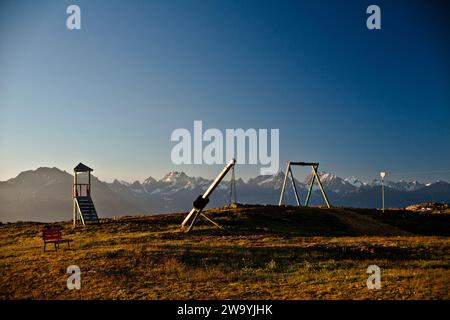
(110, 94)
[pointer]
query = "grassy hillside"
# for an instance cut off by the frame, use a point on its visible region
(263, 253)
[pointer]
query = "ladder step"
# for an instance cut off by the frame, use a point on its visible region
(87, 209)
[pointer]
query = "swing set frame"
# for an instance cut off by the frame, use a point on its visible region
(315, 176)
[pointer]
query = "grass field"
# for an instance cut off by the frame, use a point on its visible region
(265, 252)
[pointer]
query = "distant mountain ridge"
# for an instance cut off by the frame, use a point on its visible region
(44, 194)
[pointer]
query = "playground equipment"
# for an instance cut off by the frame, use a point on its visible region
(83, 206)
(233, 197)
(202, 200)
(314, 167)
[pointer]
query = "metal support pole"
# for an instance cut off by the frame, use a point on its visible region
(232, 188)
(212, 221)
(188, 216)
(194, 220)
(382, 175)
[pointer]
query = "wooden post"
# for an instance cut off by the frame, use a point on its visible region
(321, 187)
(288, 166)
(294, 187)
(74, 194)
(310, 189)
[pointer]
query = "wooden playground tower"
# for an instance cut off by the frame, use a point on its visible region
(83, 206)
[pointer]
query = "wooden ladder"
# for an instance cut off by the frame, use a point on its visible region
(87, 210)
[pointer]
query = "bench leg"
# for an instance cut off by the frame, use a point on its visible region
(45, 245)
(56, 248)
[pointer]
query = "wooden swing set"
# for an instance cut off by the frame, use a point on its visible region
(315, 176)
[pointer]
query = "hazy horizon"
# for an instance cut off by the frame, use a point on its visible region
(299, 174)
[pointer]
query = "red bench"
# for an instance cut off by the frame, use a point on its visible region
(54, 235)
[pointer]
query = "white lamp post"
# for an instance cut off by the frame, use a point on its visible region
(382, 175)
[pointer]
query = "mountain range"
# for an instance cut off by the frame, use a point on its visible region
(44, 194)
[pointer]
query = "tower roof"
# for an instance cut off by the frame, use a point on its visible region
(82, 168)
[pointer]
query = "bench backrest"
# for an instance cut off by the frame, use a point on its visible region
(53, 233)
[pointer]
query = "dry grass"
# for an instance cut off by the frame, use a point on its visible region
(267, 253)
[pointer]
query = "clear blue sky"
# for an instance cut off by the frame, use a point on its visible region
(110, 95)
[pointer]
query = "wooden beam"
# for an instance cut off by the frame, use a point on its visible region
(288, 166)
(310, 189)
(73, 199)
(321, 187)
(294, 187)
(305, 163)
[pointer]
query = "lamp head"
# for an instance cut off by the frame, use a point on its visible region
(382, 174)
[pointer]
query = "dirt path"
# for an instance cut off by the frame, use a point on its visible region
(364, 225)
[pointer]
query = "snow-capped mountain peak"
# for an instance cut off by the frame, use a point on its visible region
(331, 182)
(177, 185)
(174, 176)
(274, 181)
(354, 181)
(149, 181)
(326, 177)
